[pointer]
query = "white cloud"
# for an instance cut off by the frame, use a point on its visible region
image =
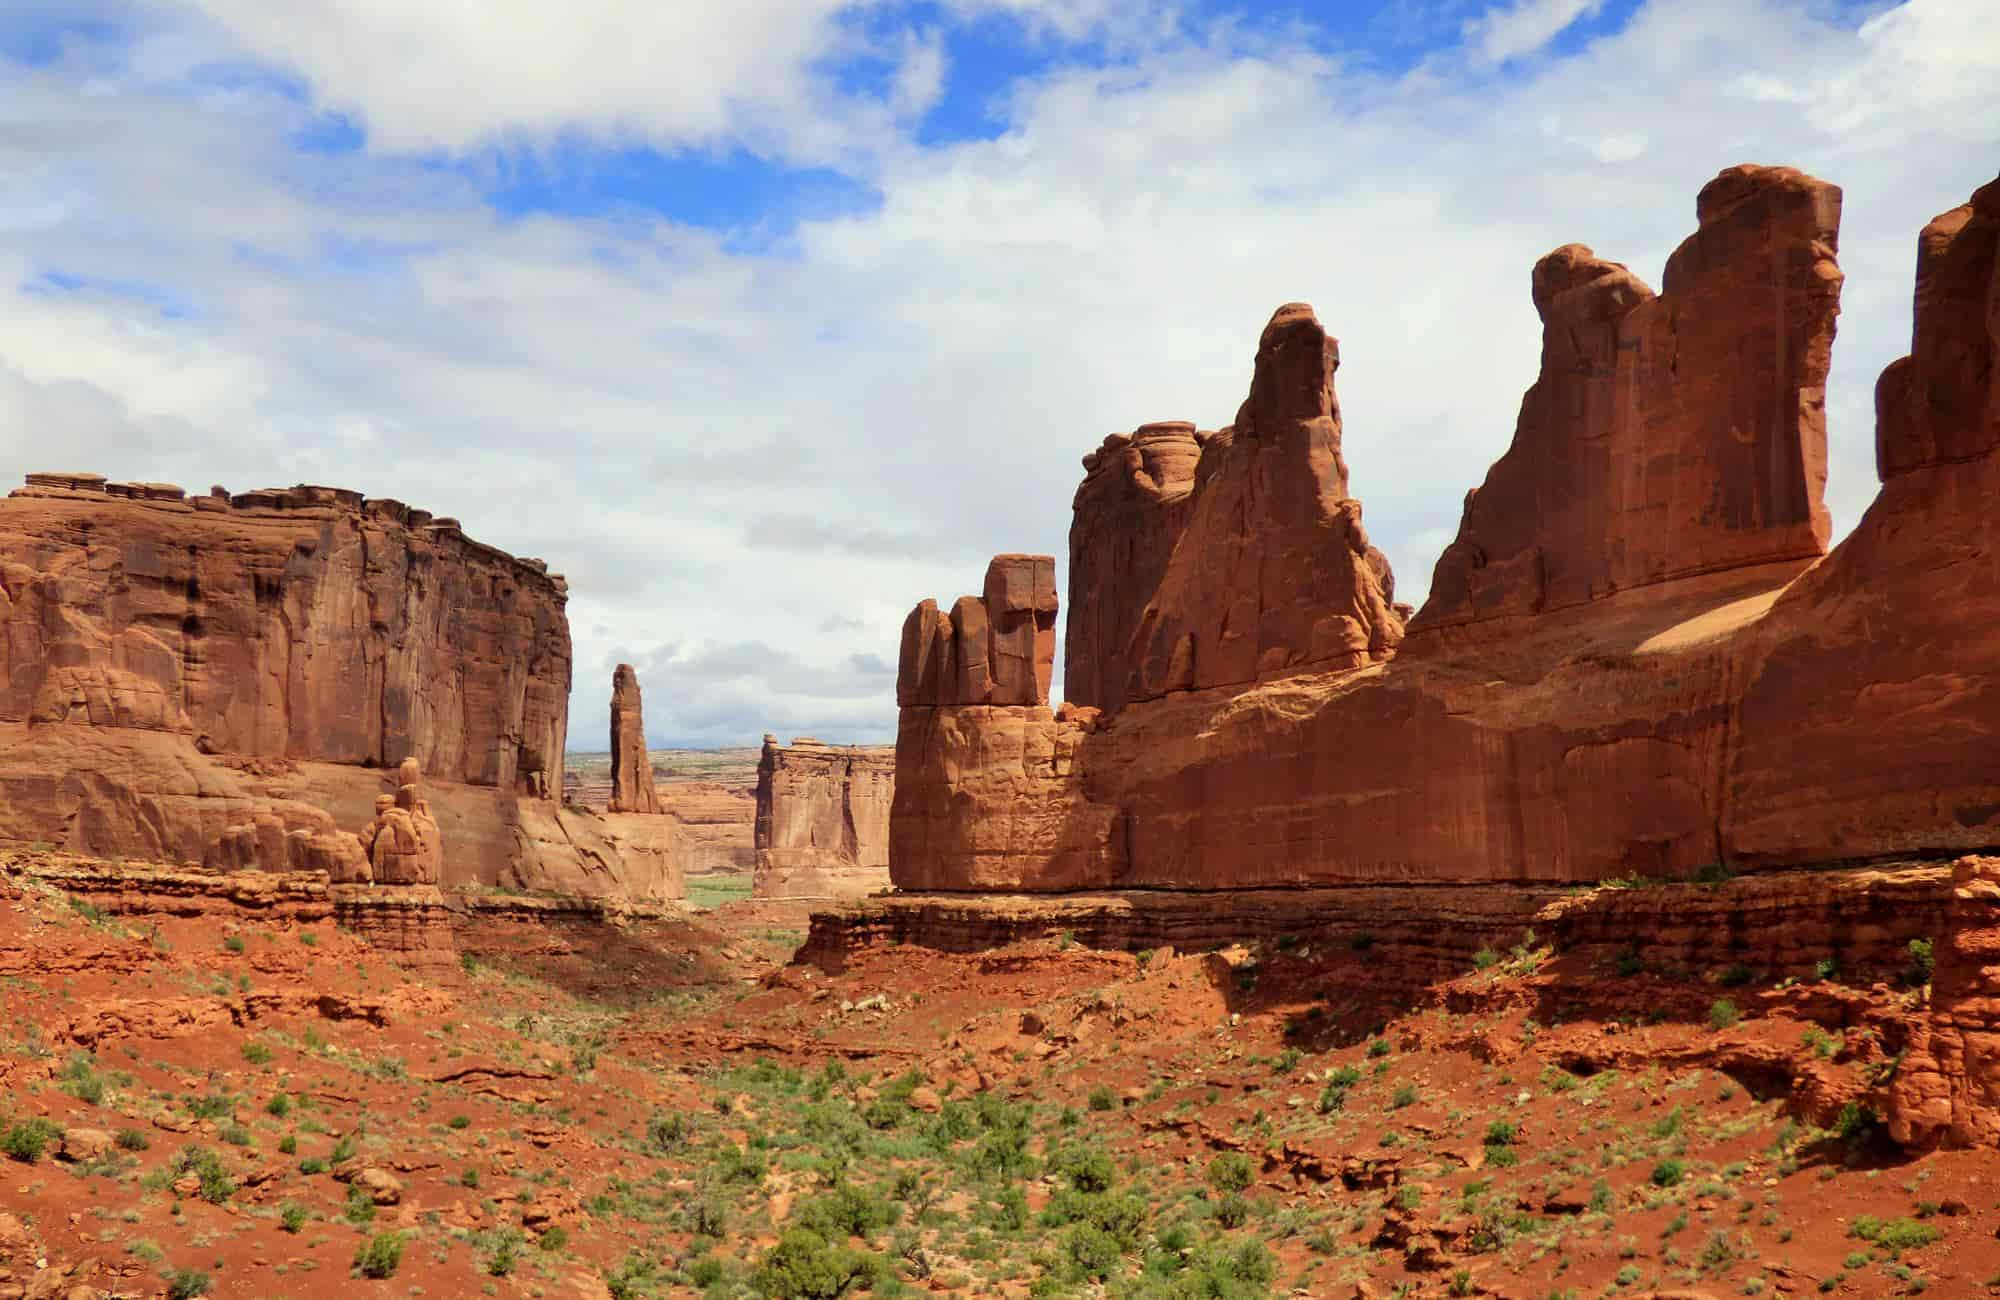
(678, 73)
(1526, 26)
(757, 462)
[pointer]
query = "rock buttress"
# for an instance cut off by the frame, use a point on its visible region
(822, 827)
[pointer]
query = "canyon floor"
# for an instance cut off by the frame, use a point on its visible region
(229, 1103)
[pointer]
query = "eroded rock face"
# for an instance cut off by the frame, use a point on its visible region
(1680, 686)
(822, 826)
(237, 680)
(1128, 517)
(631, 771)
(995, 648)
(1249, 563)
(1669, 434)
(305, 622)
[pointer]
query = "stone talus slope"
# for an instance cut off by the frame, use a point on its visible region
(822, 828)
(1672, 681)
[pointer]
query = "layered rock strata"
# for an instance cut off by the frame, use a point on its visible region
(1632, 664)
(822, 828)
(231, 679)
(631, 771)
(1779, 924)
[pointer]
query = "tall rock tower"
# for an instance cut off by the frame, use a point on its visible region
(631, 771)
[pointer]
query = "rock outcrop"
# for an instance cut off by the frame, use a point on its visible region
(1670, 434)
(304, 622)
(1632, 664)
(985, 778)
(227, 680)
(822, 819)
(1249, 564)
(997, 648)
(404, 845)
(1128, 517)
(631, 771)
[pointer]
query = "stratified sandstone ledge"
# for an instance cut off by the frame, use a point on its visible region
(1779, 923)
(418, 924)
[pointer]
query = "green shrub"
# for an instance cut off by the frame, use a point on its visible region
(1233, 1210)
(1088, 1168)
(293, 1217)
(131, 1139)
(380, 1256)
(805, 1266)
(256, 1053)
(216, 1186)
(186, 1284)
(28, 1139)
(360, 1206)
(279, 1106)
(1894, 1234)
(1404, 1096)
(1922, 963)
(1668, 1173)
(554, 1239)
(1102, 1098)
(459, 1122)
(1093, 1253)
(234, 943)
(1380, 1047)
(1722, 1013)
(846, 1211)
(212, 1106)
(81, 1081)
(1501, 1133)
(1485, 959)
(1230, 1172)
(1856, 1122)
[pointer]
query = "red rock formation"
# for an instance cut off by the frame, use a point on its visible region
(822, 827)
(995, 648)
(1946, 1092)
(1671, 692)
(1127, 518)
(1667, 435)
(985, 792)
(631, 771)
(304, 622)
(1262, 566)
(175, 673)
(404, 846)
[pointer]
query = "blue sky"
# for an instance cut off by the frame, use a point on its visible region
(763, 320)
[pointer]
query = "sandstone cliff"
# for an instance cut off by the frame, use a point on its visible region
(176, 669)
(1631, 663)
(822, 819)
(1254, 565)
(1669, 434)
(631, 771)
